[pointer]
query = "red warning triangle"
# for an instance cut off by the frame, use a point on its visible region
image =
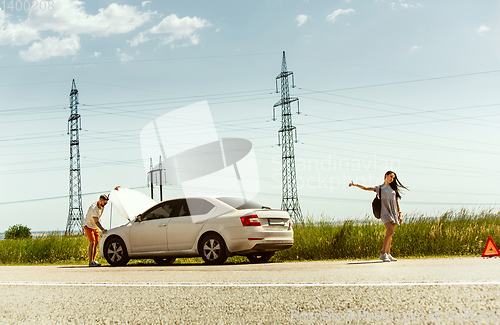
(490, 249)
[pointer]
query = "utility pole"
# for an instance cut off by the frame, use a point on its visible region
(75, 215)
(290, 198)
(157, 171)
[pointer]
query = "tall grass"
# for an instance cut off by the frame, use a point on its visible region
(51, 248)
(455, 233)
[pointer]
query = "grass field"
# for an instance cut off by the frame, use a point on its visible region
(455, 233)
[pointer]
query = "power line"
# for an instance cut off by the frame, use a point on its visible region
(412, 81)
(389, 70)
(271, 194)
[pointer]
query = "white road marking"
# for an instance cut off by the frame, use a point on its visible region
(195, 284)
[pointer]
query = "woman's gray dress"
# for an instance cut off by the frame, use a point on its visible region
(389, 211)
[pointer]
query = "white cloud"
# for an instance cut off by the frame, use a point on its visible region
(69, 16)
(140, 38)
(144, 3)
(482, 30)
(96, 55)
(16, 34)
(51, 47)
(415, 48)
(333, 16)
(177, 28)
(407, 5)
(123, 57)
(217, 30)
(301, 19)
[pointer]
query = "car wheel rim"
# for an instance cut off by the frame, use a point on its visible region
(115, 252)
(211, 249)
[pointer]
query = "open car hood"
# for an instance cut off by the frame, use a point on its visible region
(130, 203)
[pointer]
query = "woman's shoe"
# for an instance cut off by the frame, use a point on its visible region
(391, 258)
(385, 257)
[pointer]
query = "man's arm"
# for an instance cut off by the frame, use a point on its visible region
(96, 220)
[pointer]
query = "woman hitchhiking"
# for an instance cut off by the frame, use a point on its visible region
(390, 213)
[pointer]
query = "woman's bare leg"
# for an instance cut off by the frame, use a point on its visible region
(389, 231)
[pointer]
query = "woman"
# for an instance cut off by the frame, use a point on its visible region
(390, 213)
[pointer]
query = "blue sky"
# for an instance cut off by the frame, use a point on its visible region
(405, 85)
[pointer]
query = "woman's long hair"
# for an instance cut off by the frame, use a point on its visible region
(396, 184)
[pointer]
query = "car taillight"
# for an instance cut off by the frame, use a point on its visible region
(252, 220)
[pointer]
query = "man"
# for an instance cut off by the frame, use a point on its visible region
(92, 225)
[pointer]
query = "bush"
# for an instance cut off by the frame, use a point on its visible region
(18, 232)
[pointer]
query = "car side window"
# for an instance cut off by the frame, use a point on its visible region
(168, 207)
(163, 211)
(183, 209)
(179, 208)
(199, 206)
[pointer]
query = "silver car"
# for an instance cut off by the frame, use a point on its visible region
(213, 228)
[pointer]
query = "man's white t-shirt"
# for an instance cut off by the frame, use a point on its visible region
(94, 212)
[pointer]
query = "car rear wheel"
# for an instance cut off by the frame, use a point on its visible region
(212, 249)
(260, 257)
(164, 261)
(115, 252)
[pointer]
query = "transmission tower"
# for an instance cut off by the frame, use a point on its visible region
(290, 198)
(75, 215)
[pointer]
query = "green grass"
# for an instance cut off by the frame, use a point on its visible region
(455, 233)
(47, 249)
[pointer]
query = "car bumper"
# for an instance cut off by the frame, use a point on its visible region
(265, 247)
(256, 239)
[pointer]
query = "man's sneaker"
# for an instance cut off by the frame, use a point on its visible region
(94, 263)
(99, 264)
(391, 258)
(385, 257)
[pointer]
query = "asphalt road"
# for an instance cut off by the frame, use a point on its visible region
(434, 291)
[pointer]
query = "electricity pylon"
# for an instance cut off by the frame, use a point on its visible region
(75, 215)
(290, 198)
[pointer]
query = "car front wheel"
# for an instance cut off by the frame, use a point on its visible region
(115, 252)
(164, 261)
(212, 249)
(260, 257)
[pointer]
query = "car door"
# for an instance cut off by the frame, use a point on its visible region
(186, 222)
(150, 233)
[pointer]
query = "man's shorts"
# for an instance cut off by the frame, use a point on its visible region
(92, 234)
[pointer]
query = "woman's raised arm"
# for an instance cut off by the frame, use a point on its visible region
(366, 188)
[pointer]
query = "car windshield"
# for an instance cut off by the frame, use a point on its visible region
(239, 203)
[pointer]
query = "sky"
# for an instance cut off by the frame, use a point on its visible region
(409, 86)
